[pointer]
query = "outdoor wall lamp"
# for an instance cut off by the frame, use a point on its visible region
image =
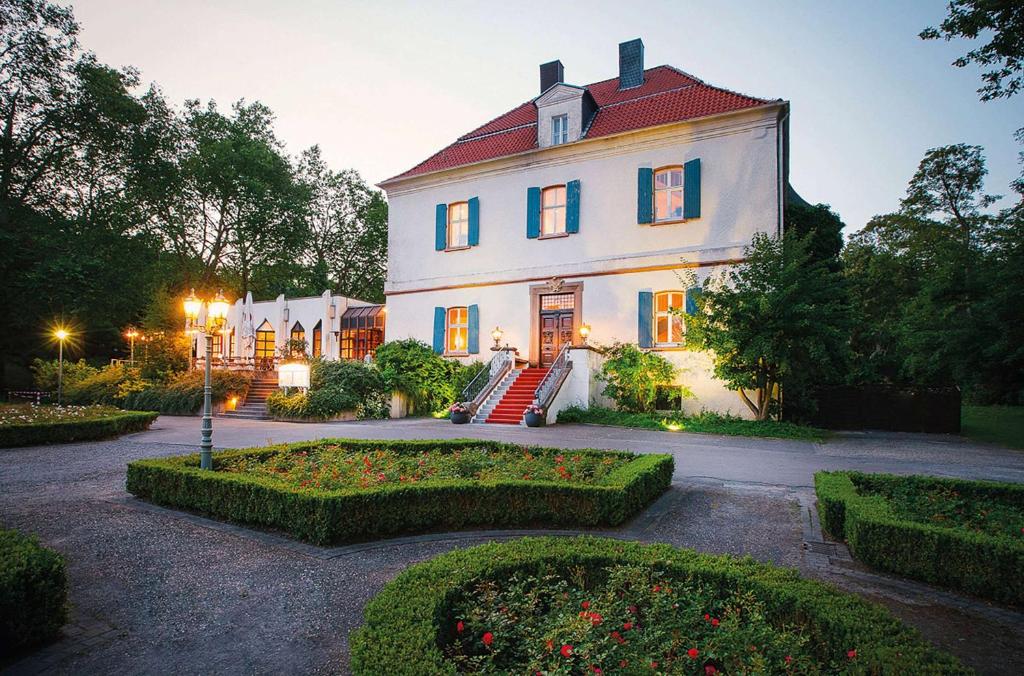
(584, 332)
(496, 334)
(216, 318)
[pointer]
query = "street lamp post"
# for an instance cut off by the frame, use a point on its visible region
(216, 315)
(131, 335)
(61, 335)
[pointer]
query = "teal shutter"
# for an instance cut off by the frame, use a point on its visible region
(533, 213)
(474, 221)
(572, 206)
(691, 300)
(644, 318)
(644, 198)
(439, 320)
(440, 227)
(473, 329)
(691, 189)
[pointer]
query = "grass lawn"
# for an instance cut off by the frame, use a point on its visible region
(998, 424)
(704, 423)
(29, 414)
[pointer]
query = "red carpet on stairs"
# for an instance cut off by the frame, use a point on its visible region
(509, 410)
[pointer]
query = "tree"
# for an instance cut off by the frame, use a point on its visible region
(1004, 52)
(771, 312)
(633, 377)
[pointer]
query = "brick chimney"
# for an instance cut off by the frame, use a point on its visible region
(551, 73)
(631, 64)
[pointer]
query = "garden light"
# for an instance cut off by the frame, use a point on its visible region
(496, 334)
(584, 332)
(216, 317)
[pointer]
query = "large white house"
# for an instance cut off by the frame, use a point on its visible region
(580, 208)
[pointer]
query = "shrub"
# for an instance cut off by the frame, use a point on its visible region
(634, 377)
(871, 512)
(430, 381)
(44, 373)
(101, 426)
(33, 592)
(333, 516)
(109, 385)
(410, 623)
(183, 393)
(334, 387)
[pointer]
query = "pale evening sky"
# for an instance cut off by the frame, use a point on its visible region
(382, 85)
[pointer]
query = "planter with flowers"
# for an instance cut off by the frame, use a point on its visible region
(459, 413)
(534, 415)
(602, 606)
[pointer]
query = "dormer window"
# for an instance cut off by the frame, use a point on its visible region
(559, 129)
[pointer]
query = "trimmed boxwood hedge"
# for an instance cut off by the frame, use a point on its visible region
(408, 621)
(33, 592)
(985, 565)
(332, 517)
(116, 424)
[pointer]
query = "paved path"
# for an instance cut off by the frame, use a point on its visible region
(158, 591)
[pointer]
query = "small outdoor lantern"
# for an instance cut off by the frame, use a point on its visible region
(584, 332)
(217, 313)
(192, 306)
(496, 334)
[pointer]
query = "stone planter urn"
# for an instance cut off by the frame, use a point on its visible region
(534, 419)
(460, 418)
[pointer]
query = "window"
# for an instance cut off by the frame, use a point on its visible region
(668, 194)
(668, 325)
(553, 211)
(218, 345)
(458, 225)
(559, 129)
(298, 332)
(362, 331)
(457, 331)
(318, 334)
(265, 341)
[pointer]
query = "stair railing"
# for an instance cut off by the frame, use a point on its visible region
(476, 392)
(553, 379)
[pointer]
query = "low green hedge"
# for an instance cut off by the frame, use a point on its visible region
(31, 434)
(331, 517)
(33, 592)
(985, 565)
(408, 622)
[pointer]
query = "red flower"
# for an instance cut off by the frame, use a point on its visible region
(381, 477)
(623, 664)
(657, 588)
(566, 651)
(586, 605)
(559, 459)
(618, 637)
(550, 645)
(789, 660)
(709, 670)
(654, 665)
(706, 617)
(714, 622)
(596, 669)
(632, 610)
(851, 654)
(693, 652)
(627, 626)
(459, 626)
(596, 619)
(488, 638)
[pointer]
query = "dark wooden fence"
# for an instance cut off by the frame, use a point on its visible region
(884, 407)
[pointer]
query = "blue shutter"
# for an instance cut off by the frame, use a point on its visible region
(533, 213)
(474, 221)
(572, 206)
(691, 189)
(644, 198)
(439, 321)
(440, 227)
(644, 318)
(691, 300)
(474, 329)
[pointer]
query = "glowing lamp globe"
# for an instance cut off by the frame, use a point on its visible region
(60, 334)
(192, 306)
(218, 310)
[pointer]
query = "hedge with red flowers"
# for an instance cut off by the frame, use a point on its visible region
(364, 513)
(880, 517)
(411, 625)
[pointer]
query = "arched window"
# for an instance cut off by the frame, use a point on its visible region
(318, 334)
(668, 324)
(668, 194)
(265, 341)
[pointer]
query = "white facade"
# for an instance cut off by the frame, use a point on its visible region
(612, 256)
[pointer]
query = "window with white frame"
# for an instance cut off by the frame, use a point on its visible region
(457, 330)
(668, 194)
(668, 323)
(559, 129)
(552, 220)
(458, 225)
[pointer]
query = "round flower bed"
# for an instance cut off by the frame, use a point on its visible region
(592, 605)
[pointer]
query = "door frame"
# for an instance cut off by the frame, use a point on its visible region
(555, 286)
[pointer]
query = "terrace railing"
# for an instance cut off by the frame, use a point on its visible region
(552, 382)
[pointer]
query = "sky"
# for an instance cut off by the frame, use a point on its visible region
(380, 86)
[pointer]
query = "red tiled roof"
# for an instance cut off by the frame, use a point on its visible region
(667, 95)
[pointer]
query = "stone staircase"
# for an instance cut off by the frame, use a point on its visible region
(507, 402)
(255, 405)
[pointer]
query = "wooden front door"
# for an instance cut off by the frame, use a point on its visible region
(556, 325)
